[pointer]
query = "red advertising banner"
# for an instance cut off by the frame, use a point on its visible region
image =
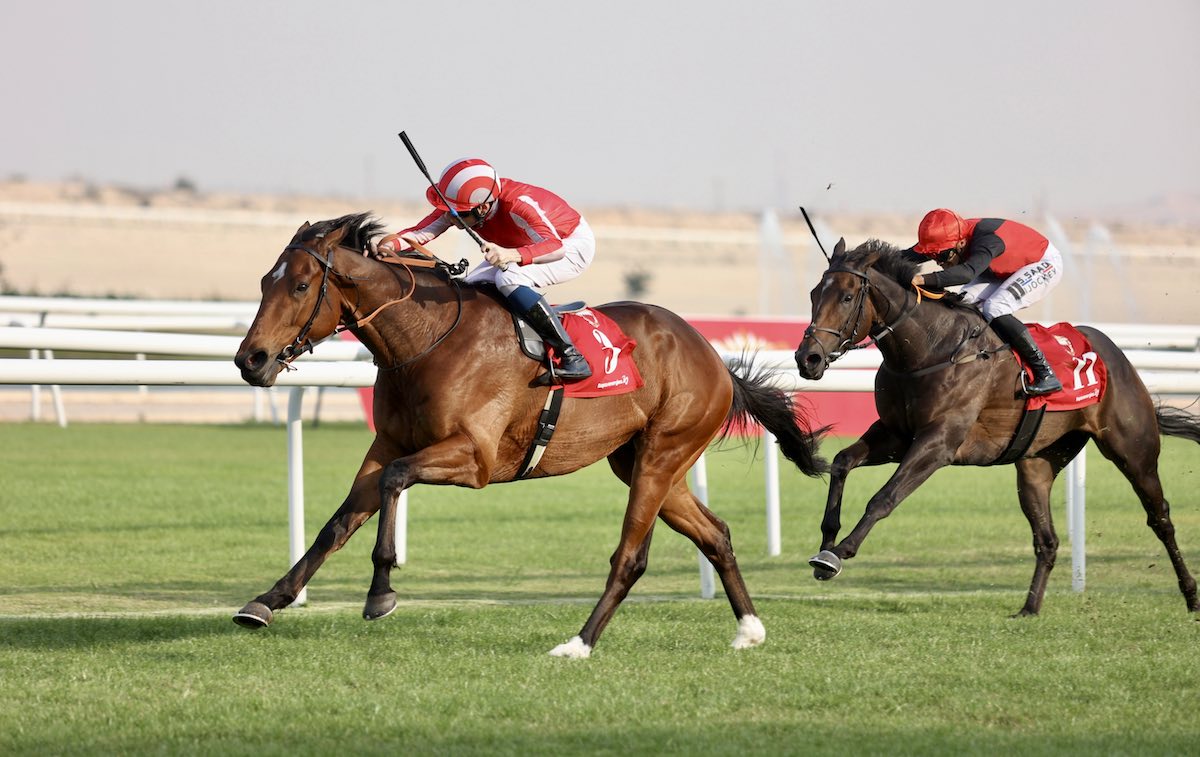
(850, 413)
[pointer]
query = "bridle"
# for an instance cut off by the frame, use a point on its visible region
(302, 343)
(850, 342)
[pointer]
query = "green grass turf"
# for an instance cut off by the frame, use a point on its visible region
(124, 549)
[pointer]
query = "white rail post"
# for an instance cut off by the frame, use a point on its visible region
(771, 472)
(35, 394)
(295, 445)
(699, 475)
(60, 411)
(402, 528)
(1077, 480)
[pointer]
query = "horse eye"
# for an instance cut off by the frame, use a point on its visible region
(847, 297)
(302, 286)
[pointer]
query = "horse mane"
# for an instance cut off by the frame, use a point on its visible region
(361, 229)
(888, 259)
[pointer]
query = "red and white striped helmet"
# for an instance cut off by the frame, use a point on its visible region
(466, 183)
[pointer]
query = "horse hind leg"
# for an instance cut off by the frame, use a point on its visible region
(1138, 462)
(624, 567)
(1035, 479)
(686, 514)
(649, 485)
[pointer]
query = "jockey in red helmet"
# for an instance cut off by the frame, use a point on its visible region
(534, 239)
(1003, 266)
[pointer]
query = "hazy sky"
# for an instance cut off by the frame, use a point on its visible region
(988, 107)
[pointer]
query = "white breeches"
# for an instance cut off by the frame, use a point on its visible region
(996, 296)
(578, 251)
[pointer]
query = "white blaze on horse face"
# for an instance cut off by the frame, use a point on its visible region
(278, 273)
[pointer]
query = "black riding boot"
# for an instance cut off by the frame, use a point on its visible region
(572, 366)
(1017, 336)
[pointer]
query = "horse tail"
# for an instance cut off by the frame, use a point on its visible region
(756, 399)
(1174, 421)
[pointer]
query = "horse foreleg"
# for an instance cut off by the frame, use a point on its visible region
(455, 460)
(1035, 478)
(359, 505)
(686, 514)
(876, 446)
(927, 453)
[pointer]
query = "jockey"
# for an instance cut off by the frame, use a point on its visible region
(534, 239)
(1004, 266)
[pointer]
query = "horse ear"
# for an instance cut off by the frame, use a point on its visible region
(333, 238)
(300, 231)
(840, 247)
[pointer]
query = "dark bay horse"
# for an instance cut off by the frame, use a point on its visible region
(455, 403)
(949, 393)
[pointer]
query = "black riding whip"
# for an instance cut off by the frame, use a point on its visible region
(421, 165)
(814, 232)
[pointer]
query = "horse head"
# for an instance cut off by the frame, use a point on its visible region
(841, 313)
(300, 303)
(862, 294)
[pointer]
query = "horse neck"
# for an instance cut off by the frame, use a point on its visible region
(929, 334)
(395, 311)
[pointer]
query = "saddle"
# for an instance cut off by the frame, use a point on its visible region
(531, 342)
(607, 350)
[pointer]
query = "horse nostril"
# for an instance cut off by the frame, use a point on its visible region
(813, 359)
(250, 360)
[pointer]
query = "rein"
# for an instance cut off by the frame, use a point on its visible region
(302, 344)
(954, 358)
(851, 342)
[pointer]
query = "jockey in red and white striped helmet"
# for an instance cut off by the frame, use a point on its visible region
(466, 184)
(534, 239)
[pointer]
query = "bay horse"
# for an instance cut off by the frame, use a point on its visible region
(456, 402)
(949, 393)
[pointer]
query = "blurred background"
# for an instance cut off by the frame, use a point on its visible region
(169, 151)
(139, 134)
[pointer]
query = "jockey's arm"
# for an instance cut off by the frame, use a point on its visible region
(550, 246)
(422, 232)
(982, 250)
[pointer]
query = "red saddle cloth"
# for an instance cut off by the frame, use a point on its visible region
(608, 351)
(1083, 375)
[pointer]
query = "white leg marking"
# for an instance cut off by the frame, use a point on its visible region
(575, 649)
(750, 633)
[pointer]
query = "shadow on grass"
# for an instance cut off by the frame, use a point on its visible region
(36, 634)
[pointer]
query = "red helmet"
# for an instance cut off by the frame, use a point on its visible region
(940, 230)
(466, 183)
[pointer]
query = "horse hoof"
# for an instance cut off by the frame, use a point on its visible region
(379, 606)
(825, 565)
(574, 649)
(255, 615)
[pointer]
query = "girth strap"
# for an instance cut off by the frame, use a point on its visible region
(547, 421)
(1031, 421)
